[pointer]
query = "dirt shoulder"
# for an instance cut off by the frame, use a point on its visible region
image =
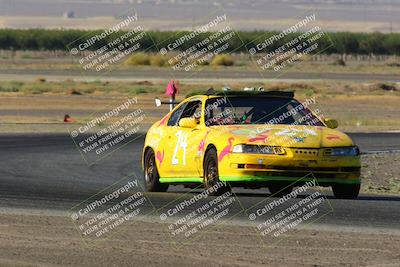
(380, 173)
(44, 113)
(32, 240)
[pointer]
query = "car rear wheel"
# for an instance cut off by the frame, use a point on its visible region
(280, 189)
(211, 176)
(346, 191)
(151, 176)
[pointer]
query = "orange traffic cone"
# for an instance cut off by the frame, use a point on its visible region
(68, 118)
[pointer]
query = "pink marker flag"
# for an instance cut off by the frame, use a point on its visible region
(172, 89)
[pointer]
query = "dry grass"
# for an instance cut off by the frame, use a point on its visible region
(144, 59)
(357, 108)
(136, 59)
(71, 87)
(320, 88)
(222, 60)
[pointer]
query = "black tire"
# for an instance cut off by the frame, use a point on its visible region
(211, 176)
(346, 191)
(280, 189)
(151, 176)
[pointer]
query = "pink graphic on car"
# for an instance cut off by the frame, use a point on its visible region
(261, 136)
(202, 144)
(226, 149)
(333, 137)
(163, 121)
(160, 157)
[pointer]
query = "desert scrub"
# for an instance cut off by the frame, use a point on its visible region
(157, 60)
(12, 86)
(138, 59)
(38, 88)
(222, 60)
(339, 62)
(70, 87)
(143, 59)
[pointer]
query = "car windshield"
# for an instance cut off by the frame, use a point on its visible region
(258, 110)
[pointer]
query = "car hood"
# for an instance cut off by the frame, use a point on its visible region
(286, 135)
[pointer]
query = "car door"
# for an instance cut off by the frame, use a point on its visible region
(183, 143)
(168, 142)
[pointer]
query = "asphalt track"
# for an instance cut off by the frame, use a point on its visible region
(165, 74)
(47, 172)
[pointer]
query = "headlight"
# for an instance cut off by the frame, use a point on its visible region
(345, 151)
(253, 149)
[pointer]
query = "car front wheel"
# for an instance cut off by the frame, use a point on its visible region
(151, 176)
(211, 177)
(346, 191)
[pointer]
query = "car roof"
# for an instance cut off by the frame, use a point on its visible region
(232, 93)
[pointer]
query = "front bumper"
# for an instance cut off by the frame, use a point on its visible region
(258, 168)
(264, 179)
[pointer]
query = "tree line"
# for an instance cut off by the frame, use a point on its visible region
(332, 43)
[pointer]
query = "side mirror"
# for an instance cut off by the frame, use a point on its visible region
(188, 122)
(331, 123)
(158, 102)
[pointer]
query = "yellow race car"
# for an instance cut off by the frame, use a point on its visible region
(249, 139)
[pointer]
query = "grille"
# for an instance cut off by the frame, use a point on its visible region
(315, 169)
(327, 152)
(309, 152)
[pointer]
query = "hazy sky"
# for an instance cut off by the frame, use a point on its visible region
(380, 15)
